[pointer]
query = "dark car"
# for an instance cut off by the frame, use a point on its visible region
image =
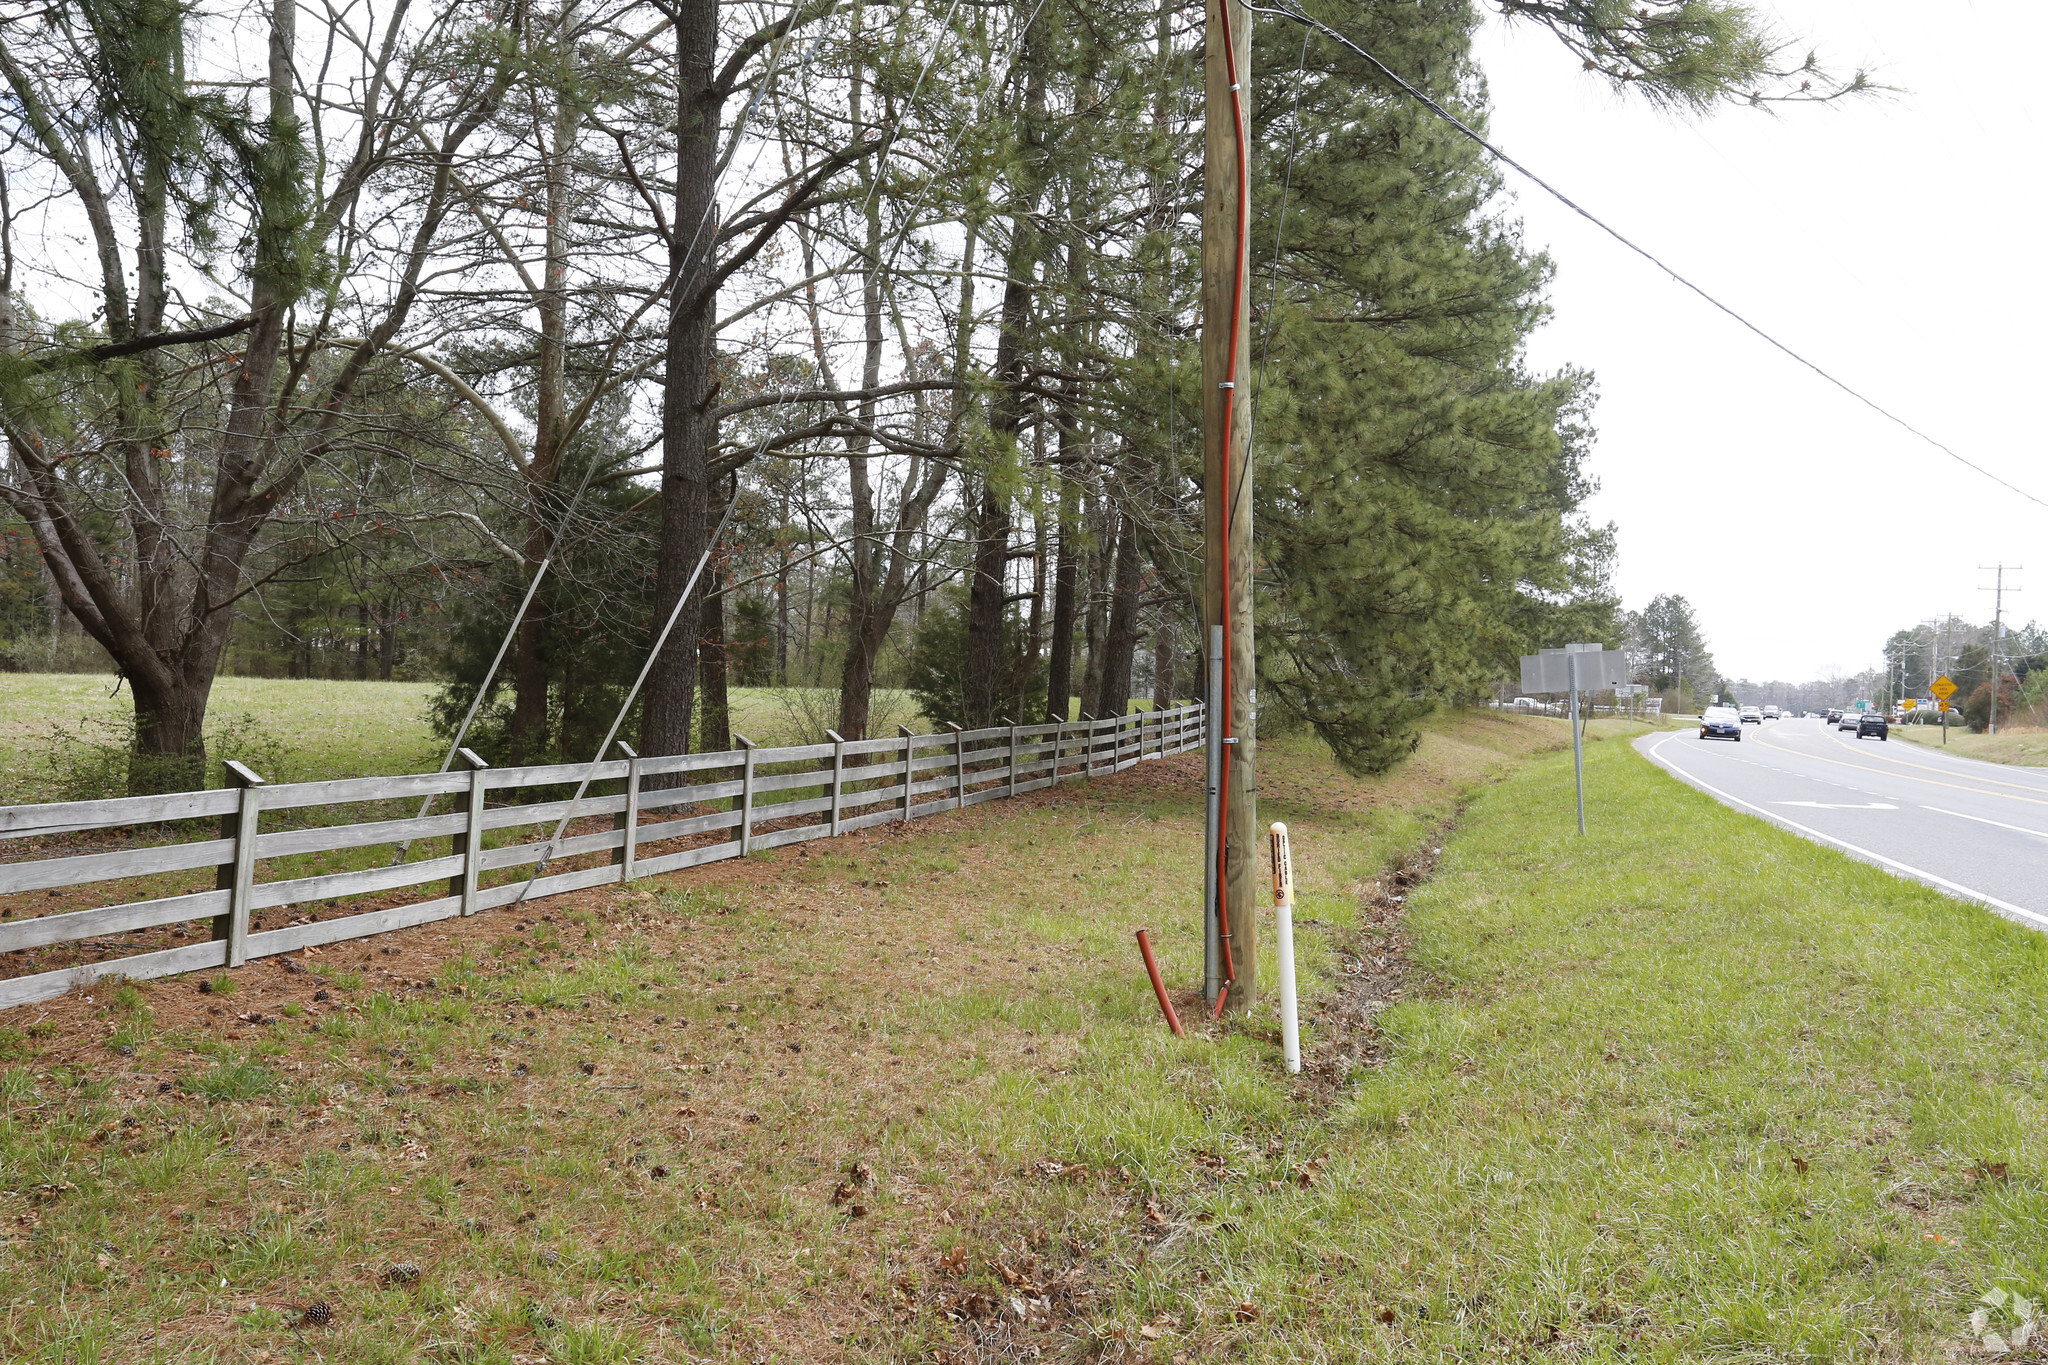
(1834, 714)
(1874, 723)
(1721, 722)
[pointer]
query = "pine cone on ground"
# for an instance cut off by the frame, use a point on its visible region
(317, 1314)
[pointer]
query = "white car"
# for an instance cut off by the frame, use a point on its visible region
(1752, 715)
(1772, 713)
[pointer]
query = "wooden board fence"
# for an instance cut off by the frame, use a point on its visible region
(749, 798)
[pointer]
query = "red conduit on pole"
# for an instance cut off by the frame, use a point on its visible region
(1229, 500)
(1159, 986)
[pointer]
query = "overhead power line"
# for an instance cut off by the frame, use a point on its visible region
(1554, 192)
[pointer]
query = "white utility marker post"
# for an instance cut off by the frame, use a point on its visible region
(1283, 913)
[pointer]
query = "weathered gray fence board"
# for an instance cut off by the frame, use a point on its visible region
(692, 857)
(550, 813)
(327, 838)
(44, 873)
(691, 763)
(19, 822)
(555, 774)
(690, 796)
(782, 782)
(776, 838)
(696, 824)
(334, 885)
(518, 855)
(880, 817)
(271, 942)
(27, 990)
(959, 769)
(553, 884)
(350, 790)
(109, 919)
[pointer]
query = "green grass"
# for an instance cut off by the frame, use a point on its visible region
(303, 731)
(941, 1007)
(2025, 745)
(1686, 1089)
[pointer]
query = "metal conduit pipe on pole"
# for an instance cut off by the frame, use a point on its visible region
(1212, 940)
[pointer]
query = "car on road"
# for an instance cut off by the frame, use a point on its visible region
(1772, 713)
(1873, 723)
(1834, 714)
(1752, 715)
(1850, 720)
(1721, 722)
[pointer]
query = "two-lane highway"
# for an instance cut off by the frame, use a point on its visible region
(1975, 830)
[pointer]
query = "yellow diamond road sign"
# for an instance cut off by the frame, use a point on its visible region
(1941, 687)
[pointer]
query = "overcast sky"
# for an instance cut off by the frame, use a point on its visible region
(1893, 240)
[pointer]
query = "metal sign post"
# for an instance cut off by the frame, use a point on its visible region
(1575, 668)
(1578, 741)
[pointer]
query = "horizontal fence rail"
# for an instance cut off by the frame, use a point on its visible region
(249, 870)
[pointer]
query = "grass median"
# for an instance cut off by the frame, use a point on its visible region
(2024, 746)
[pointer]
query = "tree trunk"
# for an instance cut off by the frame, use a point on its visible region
(712, 661)
(529, 731)
(387, 641)
(989, 585)
(1120, 643)
(1059, 683)
(1095, 604)
(1162, 664)
(528, 735)
(689, 423)
(170, 750)
(362, 640)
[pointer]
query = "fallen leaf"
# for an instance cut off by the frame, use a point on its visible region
(954, 1262)
(1386, 1315)
(842, 1193)
(1153, 1213)
(1246, 1312)
(1800, 1164)
(1149, 1332)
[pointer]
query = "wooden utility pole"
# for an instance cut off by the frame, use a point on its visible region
(1226, 471)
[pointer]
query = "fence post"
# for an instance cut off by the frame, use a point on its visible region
(629, 819)
(838, 774)
(746, 794)
(237, 876)
(470, 843)
(909, 753)
(1088, 746)
(959, 766)
(1059, 748)
(1013, 756)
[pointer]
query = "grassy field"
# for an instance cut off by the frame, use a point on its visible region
(892, 1097)
(305, 731)
(1688, 1088)
(59, 731)
(2026, 745)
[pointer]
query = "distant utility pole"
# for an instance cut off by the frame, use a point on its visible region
(1998, 632)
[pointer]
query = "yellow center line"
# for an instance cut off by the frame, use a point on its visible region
(1933, 782)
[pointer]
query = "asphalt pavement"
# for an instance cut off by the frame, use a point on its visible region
(1975, 830)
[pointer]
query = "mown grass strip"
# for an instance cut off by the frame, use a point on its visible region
(1687, 1088)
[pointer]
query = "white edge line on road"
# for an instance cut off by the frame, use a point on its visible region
(2016, 829)
(2038, 921)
